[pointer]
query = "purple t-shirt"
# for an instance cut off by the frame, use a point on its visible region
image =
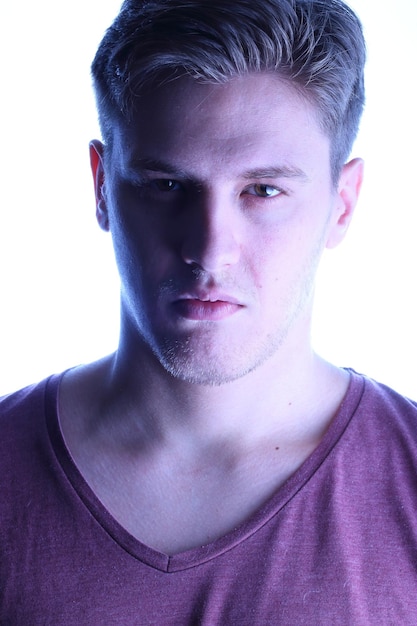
(337, 544)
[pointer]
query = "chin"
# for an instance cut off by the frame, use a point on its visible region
(206, 377)
(210, 366)
(203, 374)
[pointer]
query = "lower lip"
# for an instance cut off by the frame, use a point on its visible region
(206, 311)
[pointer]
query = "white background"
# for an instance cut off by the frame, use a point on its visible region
(59, 288)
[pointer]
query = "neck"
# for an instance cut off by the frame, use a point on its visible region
(293, 390)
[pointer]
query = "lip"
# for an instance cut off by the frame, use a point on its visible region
(207, 306)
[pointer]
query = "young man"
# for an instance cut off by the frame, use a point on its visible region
(215, 470)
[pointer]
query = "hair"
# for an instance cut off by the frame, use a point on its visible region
(318, 45)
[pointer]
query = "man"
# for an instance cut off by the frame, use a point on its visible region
(215, 470)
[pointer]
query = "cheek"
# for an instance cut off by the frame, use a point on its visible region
(138, 240)
(274, 249)
(265, 264)
(285, 258)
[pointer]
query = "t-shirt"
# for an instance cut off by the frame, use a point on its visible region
(336, 544)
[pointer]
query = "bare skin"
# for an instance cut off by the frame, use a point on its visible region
(214, 396)
(180, 485)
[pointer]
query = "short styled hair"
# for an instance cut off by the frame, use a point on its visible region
(318, 45)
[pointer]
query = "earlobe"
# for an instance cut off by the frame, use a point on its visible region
(97, 168)
(348, 190)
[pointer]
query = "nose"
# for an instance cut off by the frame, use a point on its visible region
(211, 238)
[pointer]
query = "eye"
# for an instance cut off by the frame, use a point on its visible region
(166, 184)
(263, 191)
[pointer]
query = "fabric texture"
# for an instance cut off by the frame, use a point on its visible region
(337, 544)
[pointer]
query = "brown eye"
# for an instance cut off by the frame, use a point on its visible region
(264, 191)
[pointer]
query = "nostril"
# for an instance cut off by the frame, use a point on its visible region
(211, 255)
(211, 249)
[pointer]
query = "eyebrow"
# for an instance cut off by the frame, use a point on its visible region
(283, 171)
(155, 165)
(279, 171)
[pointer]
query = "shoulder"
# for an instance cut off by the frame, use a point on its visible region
(383, 423)
(23, 419)
(22, 404)
(27, 456)
(380, 400)
(23, 397)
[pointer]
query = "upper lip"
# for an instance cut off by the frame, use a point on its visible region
(209, 295)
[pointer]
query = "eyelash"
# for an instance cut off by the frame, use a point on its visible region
(165, 184)
(276, 191)
(260, 190)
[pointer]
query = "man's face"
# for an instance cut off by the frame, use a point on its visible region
(220, 202)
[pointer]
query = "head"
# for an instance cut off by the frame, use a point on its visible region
(317, 45)
(223, 174)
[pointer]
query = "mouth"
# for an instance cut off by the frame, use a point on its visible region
(206, 306)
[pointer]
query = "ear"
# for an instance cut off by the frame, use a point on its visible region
(347, 194)
(97, 168)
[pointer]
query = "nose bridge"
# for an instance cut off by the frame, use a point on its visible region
(211, 238)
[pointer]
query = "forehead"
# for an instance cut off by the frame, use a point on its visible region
(200, 125)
